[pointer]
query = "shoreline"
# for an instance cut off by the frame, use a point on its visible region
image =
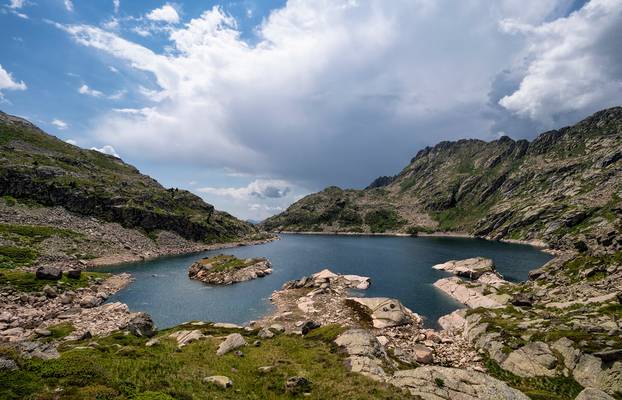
(117, 259)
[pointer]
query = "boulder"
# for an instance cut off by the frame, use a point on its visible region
(466, 294)
(43, 332)
(453, 322)
(471, 268)
(141, 324)
(219, 380)
(383, 312)
(593, 394)
(365, 353)
(185, 337)
(423, 354)
(297, 384)
(533, 359)
(6, 364)
(49, 273)
(74, 273)
(226, 325)
(265, 333)
(231, 342)
(436, 383)
(89, 301)
(49, 292)
(309, 326)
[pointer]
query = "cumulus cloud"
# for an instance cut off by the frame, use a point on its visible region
(572, 64)
(60, 124)
(329, 92)
(260, 188)
(85, 89)
(166, 13)
(7, 82)
(107, 149)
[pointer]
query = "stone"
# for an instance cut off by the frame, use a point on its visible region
(238, 353)
(384, 312)
(309, 326)
(231, 342)
(141, 324)
(471, 268)
(226, 325)
(265, 333)
(522, 300)
(533, 359)
(365, 353)
(219, 380)
(49, 292)
(49, 273)
(265, 369)
(89, 301)
(436, 383)
(152, 342)
(453, 322)
(593, 394)
(609, 355)
(185, 337)
(423, 354)
(6, 364)
(66, 299)
(466, 294)
(43, 332)
(277, 328)
(297, 384)
(74, 273)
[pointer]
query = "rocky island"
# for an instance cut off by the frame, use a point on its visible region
(226, 270)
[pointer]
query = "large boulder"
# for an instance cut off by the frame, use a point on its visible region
(141, 324)
(533, 359)
(453, 322)
(185, 337)
(440, 383)
(219, 380)
(471, 268)
(231, 342)
(49, 273)
(383, 312)
(365, 353)
(593, 394)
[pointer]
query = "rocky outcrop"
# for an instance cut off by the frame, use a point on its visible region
(533, 359)
(468, 294)
(365, 353)
(471, 268)
(439, 383)
(383, 312)
(226, 270)
(593, 394)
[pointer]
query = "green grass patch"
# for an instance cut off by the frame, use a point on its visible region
(224, 262)
(61, 330)
(27, 282)
(11, 256)
(383, 220)
(120, 367)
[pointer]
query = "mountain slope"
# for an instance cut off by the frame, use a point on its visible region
(38, 167)
(563, 188)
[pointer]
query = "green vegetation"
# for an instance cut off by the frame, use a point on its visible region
(537, 388)
(61, 330)
(224, 262)
(27, 282)
(383, 220)
(11, 257)
(122, 367)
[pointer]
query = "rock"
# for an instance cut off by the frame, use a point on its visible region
(589, 372)
(265, 369)
(219, 380)
(66, 299)
(49, 273)
(309, 326)
(265, 333)
(466, 294)
(6, 364)
(533, 359)
(435, 383)
(49, 292)
(537, 273)
(471, 268)
(277, 328)
(257, 343)
(226, 325)
(185, 337)
(522, 300)
(593, 394)
(232, 342)
(89, 301)
(324, 274)
(384, 312)
(74, 274)
(152, 342)
(42, 332)
(570, 355)
(141, 324)
(423, 354)
(218, 270)
(609, 355)
(5, 317)
(238, 353)
(365, 353)
(297, 384)
(357, 282)
(453, 322)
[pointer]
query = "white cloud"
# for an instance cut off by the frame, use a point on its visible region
(72, 141)
(107, 149)
(15, 4)
(166, 13)
(119, 94)
(113, 69)
(85, 89)
(259, 188)
(349, 83)
(573, 64)
(111, 24)
(69, 5)
(8, 83)
(116, 4)
(60, 124)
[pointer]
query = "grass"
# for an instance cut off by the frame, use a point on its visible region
(223, 262)
(61, 330)
(11, 256)
(383, 220)
(120, 367)
(27, 282)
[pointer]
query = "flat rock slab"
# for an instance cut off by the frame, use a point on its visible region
(384, 312)
(533, 359)
(471, 268)
(185, 337)
(593, 394)
(232, 342)
(440, 383)
(465, 294)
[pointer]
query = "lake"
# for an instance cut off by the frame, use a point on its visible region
(399, 267)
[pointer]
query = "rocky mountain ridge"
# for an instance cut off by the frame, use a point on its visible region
(562, 188)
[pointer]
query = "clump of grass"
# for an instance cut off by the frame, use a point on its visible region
(439, 382)
(27, 281)
(11, 256)
(61, 330)
(222, 263)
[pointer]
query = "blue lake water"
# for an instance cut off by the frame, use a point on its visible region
(400, 267)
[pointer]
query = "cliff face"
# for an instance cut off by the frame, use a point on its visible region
(38, 167)
(563, 188)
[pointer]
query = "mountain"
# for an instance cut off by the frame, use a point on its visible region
(40, 168)
(563, 188)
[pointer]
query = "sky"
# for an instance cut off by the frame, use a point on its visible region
(253, 104)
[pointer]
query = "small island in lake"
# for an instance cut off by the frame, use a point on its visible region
(225, 269)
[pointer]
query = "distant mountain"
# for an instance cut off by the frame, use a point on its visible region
(564, 188)
(41, 168)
